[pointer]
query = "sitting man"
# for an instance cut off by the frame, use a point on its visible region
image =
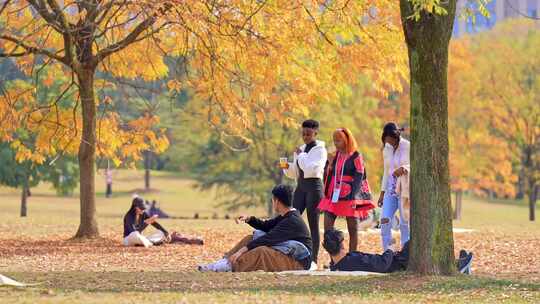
(387, 262)
(279, 244)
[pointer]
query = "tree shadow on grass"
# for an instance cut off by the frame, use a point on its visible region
(15, 247)
(195, 282)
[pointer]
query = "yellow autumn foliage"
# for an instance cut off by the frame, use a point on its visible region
(250, 61)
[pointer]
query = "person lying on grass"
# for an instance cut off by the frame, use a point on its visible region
(387, 262)
(137, 219)
(278, 244)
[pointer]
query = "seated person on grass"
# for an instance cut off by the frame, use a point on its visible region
(278, 244)
(137, 219)
(389, 261)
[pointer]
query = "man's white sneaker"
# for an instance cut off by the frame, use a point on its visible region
(222, 265)
(313, 266)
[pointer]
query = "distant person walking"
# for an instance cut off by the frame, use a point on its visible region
(347, 192)
(108, 181)
(396, 152)
(308, 170)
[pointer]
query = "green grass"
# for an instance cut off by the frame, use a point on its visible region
(179, 197)
(171, 287)
(105, 273)
(488, 216)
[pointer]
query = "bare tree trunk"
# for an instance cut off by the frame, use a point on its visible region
(457, 209)
(147, 164)
(491, 194)
(24, 200)
(533, 195)
(432, 244)
(88, 227)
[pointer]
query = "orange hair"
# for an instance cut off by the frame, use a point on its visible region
(348, 138)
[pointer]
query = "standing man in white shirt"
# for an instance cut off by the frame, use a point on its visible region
(308, 170)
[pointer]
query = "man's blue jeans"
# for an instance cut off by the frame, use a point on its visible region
(294, 249)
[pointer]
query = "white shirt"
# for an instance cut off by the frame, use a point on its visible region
(312, 163)
(394, 160)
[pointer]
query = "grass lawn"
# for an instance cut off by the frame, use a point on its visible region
(37, 249)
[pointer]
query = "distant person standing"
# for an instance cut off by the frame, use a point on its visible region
(308, 170)
(347, 192)
(108, 181)
(396, 152)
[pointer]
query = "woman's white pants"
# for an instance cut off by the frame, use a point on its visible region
(136, 238)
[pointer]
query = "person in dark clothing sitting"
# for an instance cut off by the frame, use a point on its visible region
(387, 262)
(278, 244)
(138, 218)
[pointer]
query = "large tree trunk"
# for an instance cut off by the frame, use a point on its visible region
(88, 227)
(432, 244)
(24, 196)
(457, 208)
(147, 164)
(533, 195)
(528, 173)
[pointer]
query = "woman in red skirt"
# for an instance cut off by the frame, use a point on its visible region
(346, 189)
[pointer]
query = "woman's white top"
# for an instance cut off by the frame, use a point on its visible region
(393, 160)
(312, 163)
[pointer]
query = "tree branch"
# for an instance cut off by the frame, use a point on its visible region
(45, 14)
(4, 6)
(53, 19)
(129, 39)
(34, 50)
(318, 27)
(11, 55)
(58, 14)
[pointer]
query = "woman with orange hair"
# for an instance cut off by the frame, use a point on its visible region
(346, 189)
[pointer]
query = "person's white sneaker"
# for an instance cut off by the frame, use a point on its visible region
(313, 266)
(204, 268)
(222, 265)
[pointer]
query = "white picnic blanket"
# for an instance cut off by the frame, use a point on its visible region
(5, 281)
(378, 231)
(331, 273)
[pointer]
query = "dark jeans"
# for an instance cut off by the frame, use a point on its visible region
(389, 261)
(308, 199)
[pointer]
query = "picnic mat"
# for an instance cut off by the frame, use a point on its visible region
(331, 273)
(5, 281)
